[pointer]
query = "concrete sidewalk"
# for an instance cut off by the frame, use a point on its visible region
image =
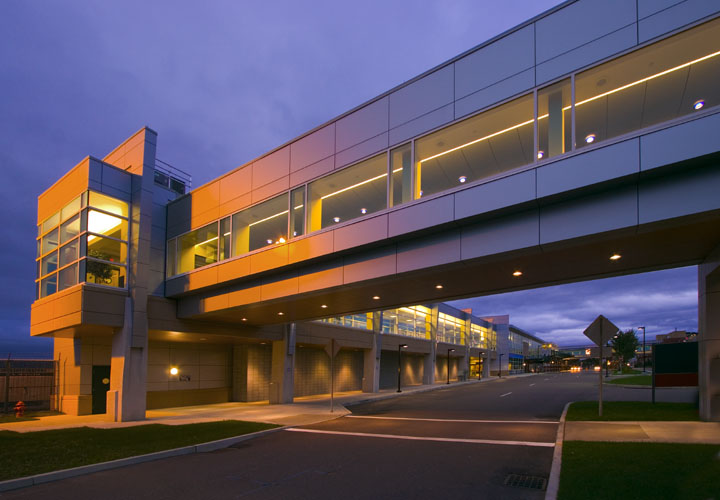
(305, 410)
(645, 432)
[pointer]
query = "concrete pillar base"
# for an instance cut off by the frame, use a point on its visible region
(709, 337)
(283, 367)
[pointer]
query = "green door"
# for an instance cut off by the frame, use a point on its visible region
(100, 386)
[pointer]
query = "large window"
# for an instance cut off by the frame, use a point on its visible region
(263, 225)
(412, 321)
(348, 194)
(198, 248)
(666, 80)
(479, 147)
(86, 241)
(450, 329)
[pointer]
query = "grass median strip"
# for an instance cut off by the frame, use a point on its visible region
(30, 453)
(633, 380)
(655, 471)
(632, 411)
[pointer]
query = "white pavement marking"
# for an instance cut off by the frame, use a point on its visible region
(420, 438)
(554, 422)
(532, 385)
(506, 394)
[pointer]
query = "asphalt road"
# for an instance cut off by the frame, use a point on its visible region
(462, 442)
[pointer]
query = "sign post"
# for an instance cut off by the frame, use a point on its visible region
(600, 331)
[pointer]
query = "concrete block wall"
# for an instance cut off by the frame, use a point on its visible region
(312, 371)
(441, 369)
(252, 367)
(412, 369)
(76, 358)
(199, 367)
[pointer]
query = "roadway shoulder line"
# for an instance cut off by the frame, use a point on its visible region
(554, 480)
(506, 394)
(455, 420)
(423, 438)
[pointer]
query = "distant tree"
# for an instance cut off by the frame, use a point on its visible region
(625, 343)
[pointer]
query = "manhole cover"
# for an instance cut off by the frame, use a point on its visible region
(525, 481)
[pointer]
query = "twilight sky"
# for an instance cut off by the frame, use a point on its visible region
(223, 82)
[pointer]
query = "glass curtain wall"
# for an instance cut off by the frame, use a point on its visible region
(413, 321)
(450, 329)
(86, 241)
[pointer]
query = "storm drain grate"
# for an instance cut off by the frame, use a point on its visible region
(524, 481)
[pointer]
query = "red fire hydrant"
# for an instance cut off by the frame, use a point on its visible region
(19, 409)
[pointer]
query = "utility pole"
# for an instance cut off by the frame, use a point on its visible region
(643, 356)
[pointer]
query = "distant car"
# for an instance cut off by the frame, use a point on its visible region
(597, 368)
(575, 369)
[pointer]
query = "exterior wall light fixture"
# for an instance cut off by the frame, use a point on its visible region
(174, 370)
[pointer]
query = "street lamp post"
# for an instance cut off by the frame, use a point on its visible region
(500, 365)
(643, 356)
(448, 364)
(400, 347)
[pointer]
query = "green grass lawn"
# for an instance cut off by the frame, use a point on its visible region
(655, 471)
(633, 411)
(29, 453)
(626, 370)
(633, 380)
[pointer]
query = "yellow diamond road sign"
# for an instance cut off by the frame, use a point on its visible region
(601, 330)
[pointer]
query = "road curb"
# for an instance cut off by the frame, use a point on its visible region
(554, 481)
(23, 482)
(417, 391)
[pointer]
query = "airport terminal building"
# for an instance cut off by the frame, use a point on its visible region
(580, 144)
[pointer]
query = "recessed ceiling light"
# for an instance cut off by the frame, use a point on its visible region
(698, 104)
(203, 338)
(439, 287)
(280, 313)
(324, 306)
(590, 138)
(541, 153)
(336, 219)
(363, 210)
(376, 297)
(281, 240)
(244, 319)
(462, 179)
(269, 242)
(174, 370)
(517, 273)
(420, 194)
(615, 256)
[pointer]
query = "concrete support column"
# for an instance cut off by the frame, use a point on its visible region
(709, 337)
(283, 367)
(464, 363)
(127, 397)
(371, 367)
(486, 365)
(429, 365)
